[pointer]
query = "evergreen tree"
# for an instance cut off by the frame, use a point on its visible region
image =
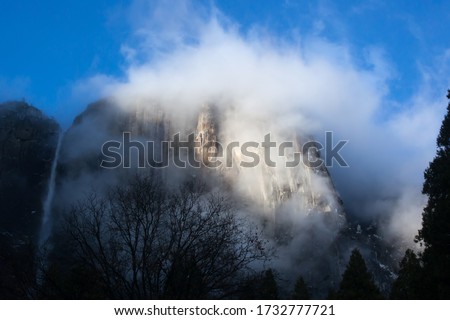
(300, 290)
(268, 289)
(357, 283)
(435, 232)
(409, 281)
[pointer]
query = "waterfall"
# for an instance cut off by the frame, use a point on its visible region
(47, 206)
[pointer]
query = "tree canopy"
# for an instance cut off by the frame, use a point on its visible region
(301, 290)
(435, 232)
(409, 281)
(357, 283)
(147, 241)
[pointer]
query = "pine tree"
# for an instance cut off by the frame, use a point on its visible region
(300, 290)
(357, 283)
(435, 232)
(259, 287)
(409, 282)
(268, 288)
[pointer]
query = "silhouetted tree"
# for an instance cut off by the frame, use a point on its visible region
(435, 232)
(357, 283)
(300, 290)
(409, 282)
(148, 241)
(185, 281)
(260, 286)
(268, 289)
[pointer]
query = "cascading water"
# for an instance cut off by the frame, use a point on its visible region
(47, 206)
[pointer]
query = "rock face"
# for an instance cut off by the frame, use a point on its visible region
(308, 187)
(297, 207)
(79, 165)
(28, 141)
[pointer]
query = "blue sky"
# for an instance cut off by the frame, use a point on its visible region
(47, 46)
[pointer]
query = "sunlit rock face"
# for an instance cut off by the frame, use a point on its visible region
(270, 184)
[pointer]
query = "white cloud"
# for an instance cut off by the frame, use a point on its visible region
(184, 59)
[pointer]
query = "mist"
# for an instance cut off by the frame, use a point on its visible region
(183, 56)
